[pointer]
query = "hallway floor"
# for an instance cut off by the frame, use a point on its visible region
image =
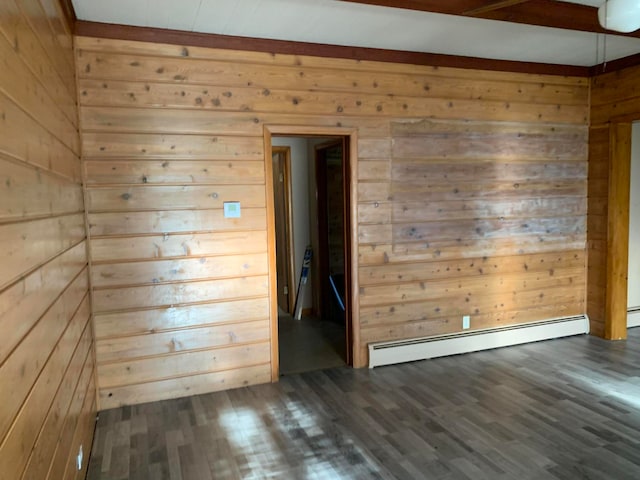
(309, 344)
(561, 409)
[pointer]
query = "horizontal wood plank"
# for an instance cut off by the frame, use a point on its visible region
(162, 343)
(179, 293)
(182, 386)
(152, 172)
(115, 325)
(171, 271)
(116, 249)
(27, 192)
(22, 304)
(28, 245)
(170, 146)
(394, 273)
(188, 197)
(167, 222)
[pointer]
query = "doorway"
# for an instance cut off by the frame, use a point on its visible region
(319, 176)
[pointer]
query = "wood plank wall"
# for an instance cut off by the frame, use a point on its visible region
(47, 376)
(472, 200)
(615, 97)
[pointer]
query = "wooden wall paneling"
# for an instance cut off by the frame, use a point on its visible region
(116, 43)
(43, 453)
(396, 273)
(44, 301)
(178, 293)
(138, 371)
(76, 418)
(32, 416)
(58, 46)
(27, 91)
(485, 306)
(199, 120)
(40, 148)
(25, 364)
(430, 325)
(155, 146)
(447, 288)
(259, 99)
(115, 65)
(164, 271)
(18, 33)
(171, 222)
(184, 386)
(132, 198)
(373, 254)
(225, 334)
(618, 232)
(161, 172)
(24, 302)
(450, 166)
(29, 245)
(122, 324)
(28, 192)
(177, 246)
(614, 106)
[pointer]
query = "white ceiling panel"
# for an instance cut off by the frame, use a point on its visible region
(177, 15)
(354, 24)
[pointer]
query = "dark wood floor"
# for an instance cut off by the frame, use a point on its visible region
(310, 344)
(562, 409)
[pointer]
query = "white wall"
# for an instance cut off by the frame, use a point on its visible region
(300, 162)
(633, 295)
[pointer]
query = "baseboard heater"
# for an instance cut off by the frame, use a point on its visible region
(633, 317)
(388, 353)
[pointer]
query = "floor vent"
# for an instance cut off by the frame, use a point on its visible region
(388, 353)
(633, 317)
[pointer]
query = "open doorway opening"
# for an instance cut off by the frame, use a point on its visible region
(311, 199)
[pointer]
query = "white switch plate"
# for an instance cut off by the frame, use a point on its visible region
(231, 209)
(466, 322)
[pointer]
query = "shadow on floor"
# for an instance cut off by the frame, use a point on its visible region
(310, 344)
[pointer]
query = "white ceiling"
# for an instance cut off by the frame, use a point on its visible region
(353, 24)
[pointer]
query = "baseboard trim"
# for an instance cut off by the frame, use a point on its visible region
(388, 353)
(633, 317)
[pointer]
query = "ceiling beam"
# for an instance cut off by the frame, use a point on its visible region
(544, 13)
(491, 7)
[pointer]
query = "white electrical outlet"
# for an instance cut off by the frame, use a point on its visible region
(79, 458)
(466, 322)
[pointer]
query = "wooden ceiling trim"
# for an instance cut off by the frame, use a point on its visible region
(210, 40)
(69, 13)
(490, 7)
(615, 65)
(568, 16)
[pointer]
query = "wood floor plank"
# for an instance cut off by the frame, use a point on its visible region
(560, 409)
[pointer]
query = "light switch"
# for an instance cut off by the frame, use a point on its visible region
(231, 209)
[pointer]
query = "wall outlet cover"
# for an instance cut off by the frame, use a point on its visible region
(466, 322)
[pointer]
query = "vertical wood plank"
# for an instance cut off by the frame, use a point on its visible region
(618, 232)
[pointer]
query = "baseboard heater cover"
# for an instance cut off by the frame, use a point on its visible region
(389, 353)
(633, 317)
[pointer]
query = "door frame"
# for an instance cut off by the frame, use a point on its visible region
(288, 218)
(323, 250)
(313, 131)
